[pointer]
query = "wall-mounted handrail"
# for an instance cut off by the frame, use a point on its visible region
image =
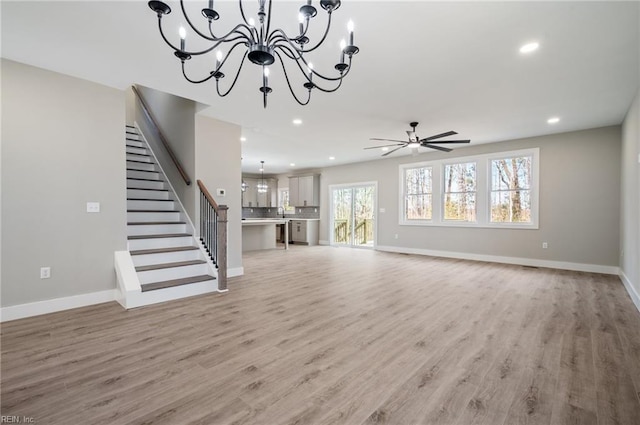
(213, 232)
(165, 143)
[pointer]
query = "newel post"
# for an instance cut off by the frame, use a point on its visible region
(221, 242)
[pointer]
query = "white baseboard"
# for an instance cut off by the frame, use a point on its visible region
(323, 242)
(236, 271)
(532, 262)
(21, 311)
(635, 297)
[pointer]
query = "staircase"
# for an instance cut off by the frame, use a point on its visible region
(161, 242)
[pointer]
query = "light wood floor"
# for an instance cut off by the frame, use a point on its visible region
(320, 335)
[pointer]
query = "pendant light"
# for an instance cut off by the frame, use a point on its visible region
(262, 187)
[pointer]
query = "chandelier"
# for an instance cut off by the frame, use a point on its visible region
(262, 46)
(262, 186)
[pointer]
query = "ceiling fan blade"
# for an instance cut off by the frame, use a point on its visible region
(385, 146)
(392, 151)
(437, 136)
(449, 141)
(388, 140)
(438, 148)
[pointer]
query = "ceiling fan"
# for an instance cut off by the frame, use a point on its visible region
(416, 142)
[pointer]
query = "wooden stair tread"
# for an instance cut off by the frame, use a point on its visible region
(135, 147)
(146, 171)
(151, 223)
(175, 282)
(147, 188)
(163, 250)
(164, 235)
(140, 162)
(143, 180)
(138, 154)
(169, 265)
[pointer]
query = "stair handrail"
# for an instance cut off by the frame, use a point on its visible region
(163, 139)
(213, 232)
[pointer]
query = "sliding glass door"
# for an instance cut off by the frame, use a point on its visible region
(352, 215)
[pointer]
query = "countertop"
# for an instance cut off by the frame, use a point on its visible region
(263, 221)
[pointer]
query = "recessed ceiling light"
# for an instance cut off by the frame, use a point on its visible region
(297, 121)
(385, 149)
(553, 120)
(243, 139)
(529, 47)
(292, 165)
(332, 158)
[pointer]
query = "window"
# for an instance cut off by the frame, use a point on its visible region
(511, 189)
(460, 192)
(418, 202)
(283, 201)
(492, 190)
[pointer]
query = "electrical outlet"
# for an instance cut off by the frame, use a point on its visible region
(45, 272)
(545, 245)
(93, 207)
(315, 210)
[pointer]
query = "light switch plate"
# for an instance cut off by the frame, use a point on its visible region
(45, 272)
(93, 207)
(382, 210)
(221, 192)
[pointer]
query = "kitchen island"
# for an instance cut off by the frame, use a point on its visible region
(260, 233)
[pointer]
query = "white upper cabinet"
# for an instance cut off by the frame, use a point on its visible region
(304, 191)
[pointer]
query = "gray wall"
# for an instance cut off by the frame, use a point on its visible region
(218, 153)
(579, 202)
(176, 118)
(630, 202)
(62, 146)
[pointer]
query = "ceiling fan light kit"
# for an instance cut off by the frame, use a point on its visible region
(415, 142)
(263, 46)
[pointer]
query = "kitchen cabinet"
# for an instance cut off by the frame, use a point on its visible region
(304, 232)
(304, 191)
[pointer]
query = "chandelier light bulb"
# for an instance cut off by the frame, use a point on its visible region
(266, 71)
(252, 22)
(183, 35)
(218, 59)
(350, 29)
(343, 44)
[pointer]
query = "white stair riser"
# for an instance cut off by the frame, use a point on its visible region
(139, 244)
(141, 166)
(139, 158)
(151, 205)
(156, 229)
(136, 217)
(172, 273)
(142, 174)
(139, 144)
(145, 184)
(167, 257)
(140, 149)
(135, 134)
(147, 194)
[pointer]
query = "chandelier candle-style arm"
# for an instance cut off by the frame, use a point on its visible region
(263, 45)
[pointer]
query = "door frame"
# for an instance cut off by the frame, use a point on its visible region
(375, 212)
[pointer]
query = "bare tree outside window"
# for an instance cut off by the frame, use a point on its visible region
(418, 189)
(460, 192)
(511, 190)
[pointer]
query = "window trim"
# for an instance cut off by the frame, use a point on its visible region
(483, 191)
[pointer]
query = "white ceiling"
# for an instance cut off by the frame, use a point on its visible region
(449, 65)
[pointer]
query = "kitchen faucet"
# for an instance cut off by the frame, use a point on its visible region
(279, 211)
